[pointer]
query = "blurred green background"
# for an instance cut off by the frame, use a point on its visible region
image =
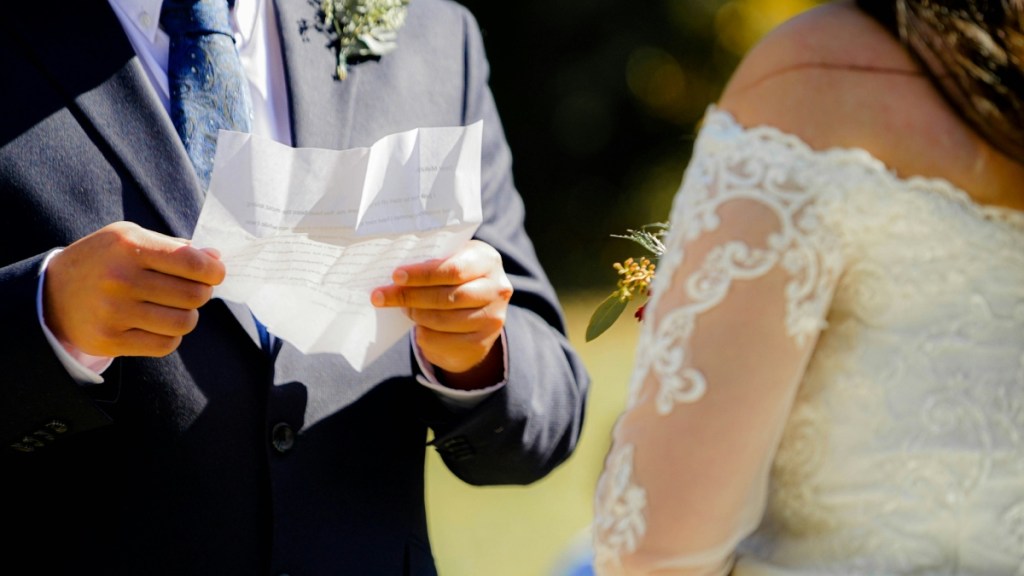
(600, 101)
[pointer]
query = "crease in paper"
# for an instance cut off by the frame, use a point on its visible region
(306, 234)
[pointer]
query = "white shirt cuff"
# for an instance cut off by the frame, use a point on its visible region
(451, 397)
(83, 368)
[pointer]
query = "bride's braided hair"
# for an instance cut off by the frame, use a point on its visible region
(974, 50)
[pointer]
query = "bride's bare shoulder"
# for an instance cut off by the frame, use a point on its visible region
(835, 77)
(823, 75)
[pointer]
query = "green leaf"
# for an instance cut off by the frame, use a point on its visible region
(649, 240)
(605, 315)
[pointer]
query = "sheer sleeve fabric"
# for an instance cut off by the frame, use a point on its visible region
(739, 299)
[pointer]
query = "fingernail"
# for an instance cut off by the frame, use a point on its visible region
(377, 298)
(400, 277)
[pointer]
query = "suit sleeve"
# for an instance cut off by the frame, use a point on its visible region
(39, 401)
(527, 428)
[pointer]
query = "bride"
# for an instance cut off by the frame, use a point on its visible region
(830, 374)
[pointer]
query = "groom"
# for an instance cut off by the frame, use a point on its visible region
(149, 430)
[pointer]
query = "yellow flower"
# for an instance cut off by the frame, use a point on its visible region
(635, 278)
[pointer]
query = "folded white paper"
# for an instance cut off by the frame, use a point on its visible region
(306, 234)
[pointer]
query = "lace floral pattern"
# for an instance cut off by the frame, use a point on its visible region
(622, 525)
(900, 448)
(801, 247)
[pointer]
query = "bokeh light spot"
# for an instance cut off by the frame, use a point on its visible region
(656, 79)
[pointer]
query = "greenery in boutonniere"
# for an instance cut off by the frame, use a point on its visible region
(635, 277)
(362, 28)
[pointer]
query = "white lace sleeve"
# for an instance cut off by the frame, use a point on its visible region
(739, 299)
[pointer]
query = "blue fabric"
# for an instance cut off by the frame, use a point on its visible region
(208, 87)
(207, 84)
(265, 343)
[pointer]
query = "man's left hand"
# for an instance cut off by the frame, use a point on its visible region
(459, 306)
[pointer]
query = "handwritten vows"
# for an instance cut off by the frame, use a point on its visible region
(306, 233)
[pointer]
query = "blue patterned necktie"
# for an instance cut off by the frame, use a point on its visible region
(208, 87)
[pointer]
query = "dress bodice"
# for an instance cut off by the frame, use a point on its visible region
(831, 378)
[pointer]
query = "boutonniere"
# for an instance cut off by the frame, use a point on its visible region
(635, 278)
(362, 29)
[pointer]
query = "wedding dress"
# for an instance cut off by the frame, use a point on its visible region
(830, 377)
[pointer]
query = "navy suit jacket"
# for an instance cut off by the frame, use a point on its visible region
(216, 459)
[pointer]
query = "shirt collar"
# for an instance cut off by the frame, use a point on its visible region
(145, 15)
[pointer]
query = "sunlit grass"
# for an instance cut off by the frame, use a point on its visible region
(526, 531)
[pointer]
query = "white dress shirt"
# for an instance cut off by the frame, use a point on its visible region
(259, 46)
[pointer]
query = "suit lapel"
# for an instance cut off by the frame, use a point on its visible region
(127, 112)
(321, 107)
(115, 97)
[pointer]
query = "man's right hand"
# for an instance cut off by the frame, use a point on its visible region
(127, 291)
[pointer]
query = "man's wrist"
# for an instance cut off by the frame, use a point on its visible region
(83, 368)
(483, 375)
(469, 396)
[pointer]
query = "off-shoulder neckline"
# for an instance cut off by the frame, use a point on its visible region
(937, 184)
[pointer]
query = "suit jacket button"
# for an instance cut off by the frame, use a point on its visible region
(282, 437)
(57, 426)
